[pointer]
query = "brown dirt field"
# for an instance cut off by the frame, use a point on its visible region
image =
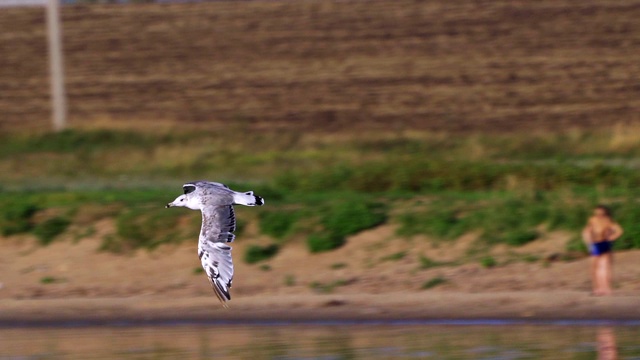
(325, 65)
(161, 285)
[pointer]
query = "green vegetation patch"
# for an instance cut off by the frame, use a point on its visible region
(627, 214)
(256, 253)
(431, 283)
(349, 218)
(488, 262)
(16, 216)
(145, 227)
(68, 141)
(278, 223)
(512, 219)
(50, 280)
(320, 242)
(49, 229)
(395, 256)
(417, 174)
(344, 218)
(327, 288)
(437, 222)
(428, 263)
(513, 190)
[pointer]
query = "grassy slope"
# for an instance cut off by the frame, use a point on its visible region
(508, 189)
(389, 64)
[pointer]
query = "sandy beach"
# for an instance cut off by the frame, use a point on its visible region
(72, 282)
(526, 306)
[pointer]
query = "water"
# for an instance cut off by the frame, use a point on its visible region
(346, 341)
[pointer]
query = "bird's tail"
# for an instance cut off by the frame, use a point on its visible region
(248, 199)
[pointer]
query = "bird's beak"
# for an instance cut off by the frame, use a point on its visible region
(169, 205)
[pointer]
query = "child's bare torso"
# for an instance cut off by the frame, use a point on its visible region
(601, 229)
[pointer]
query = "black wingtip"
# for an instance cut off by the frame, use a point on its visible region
(259, 200)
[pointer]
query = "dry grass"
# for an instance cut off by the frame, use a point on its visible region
(324, 65)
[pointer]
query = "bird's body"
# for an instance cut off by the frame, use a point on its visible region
(216, 201)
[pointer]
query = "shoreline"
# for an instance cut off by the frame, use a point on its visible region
(436, 307)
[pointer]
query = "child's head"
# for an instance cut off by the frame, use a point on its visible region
(602, 211)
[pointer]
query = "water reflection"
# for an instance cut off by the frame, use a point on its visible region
(607, 348)
(322, 342)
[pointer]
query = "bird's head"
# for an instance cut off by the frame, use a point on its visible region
(185, 201)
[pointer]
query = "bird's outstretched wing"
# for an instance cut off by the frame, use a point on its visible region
(218, 225)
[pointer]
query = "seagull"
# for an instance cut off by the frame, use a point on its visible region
(215, 201)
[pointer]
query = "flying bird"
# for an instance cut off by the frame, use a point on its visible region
(216, 201)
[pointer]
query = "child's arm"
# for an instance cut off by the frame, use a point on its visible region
(616, 233)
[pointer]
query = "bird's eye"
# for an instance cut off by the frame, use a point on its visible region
(181, 199)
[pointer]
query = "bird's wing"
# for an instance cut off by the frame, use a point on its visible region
(218, 225)
(218, 184)
(193, 185)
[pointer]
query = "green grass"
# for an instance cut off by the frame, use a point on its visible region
(516, 190)
(500, 217)
(72, 141)
(48, 230)
(327, 288)
(277, 223)
(395, 256)
(342, 218)
(321, 242)
(488, 262)
(427, 263)
(16, 216)
(256, 253)
(50, 280)
(349, 218)
(436, 281)
(145, 227)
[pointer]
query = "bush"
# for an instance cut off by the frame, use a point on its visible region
(277, 224)
(47, 231)
(436, 281)
(16, 217)
(342, 219)
(440, 223)
(257, 253)
(348, 218)
(519, 237)
(319, 242)
(488, 262)
(395, 256)
(144, 228)
(427, 263)
(49, 280)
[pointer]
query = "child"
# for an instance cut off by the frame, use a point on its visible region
(599, 234)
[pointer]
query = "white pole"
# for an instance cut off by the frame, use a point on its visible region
(56, 66)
